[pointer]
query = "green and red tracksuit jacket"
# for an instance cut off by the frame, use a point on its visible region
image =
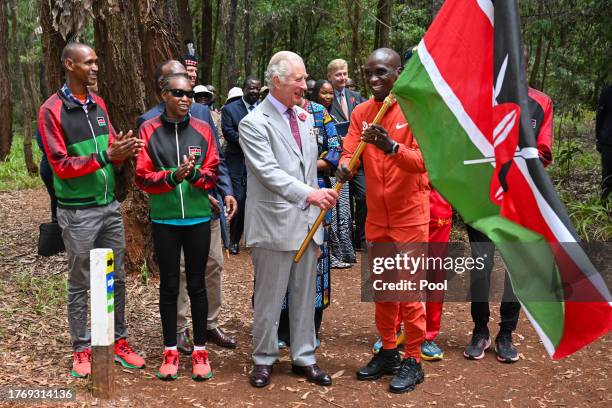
(75, 138)
(166, 143)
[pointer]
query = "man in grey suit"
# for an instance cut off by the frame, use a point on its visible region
(282, 203)
(345, 100)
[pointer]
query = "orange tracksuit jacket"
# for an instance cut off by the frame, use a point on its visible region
(397, 186)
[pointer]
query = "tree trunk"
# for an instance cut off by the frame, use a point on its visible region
(52, 46)
(185, 19)
(206, 63)
(31, 104)
(545, 67)
(353, 13)
(6, 128)
(248, 56)
(383, 22)
(159, 36)
(27, 99)
(535, 69)
(230, 45)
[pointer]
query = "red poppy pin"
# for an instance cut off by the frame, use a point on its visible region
(352, 99)
(302, 116)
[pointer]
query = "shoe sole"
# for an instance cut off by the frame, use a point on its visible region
(377, 376)
(408, 389)
(77, 375)
(200, 378)
(479, 357)
(505, 360)
(436, 357)
(125, 363)
(166, 377)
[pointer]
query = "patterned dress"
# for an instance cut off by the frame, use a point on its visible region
(329, 150)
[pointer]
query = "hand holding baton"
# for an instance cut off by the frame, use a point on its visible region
(389, 101)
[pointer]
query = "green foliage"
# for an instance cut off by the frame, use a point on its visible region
(46, 292)
(592, 219)
(13, 173)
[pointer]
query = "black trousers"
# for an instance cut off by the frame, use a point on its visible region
(480, 283)
(195, 242)
(237, 223)
(357, 190)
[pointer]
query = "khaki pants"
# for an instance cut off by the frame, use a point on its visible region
(214, 268)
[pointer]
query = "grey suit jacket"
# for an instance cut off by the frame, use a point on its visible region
(279, 178)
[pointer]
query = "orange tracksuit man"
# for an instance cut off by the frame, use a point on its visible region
(397, 196)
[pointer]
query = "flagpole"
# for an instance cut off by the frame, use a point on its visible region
(388, 102)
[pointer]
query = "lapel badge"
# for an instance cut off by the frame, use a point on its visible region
(302, 116)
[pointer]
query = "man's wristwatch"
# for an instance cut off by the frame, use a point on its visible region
(394, 149)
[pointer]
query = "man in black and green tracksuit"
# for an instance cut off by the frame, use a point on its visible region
(83, 149)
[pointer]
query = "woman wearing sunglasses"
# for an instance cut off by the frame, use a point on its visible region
(177, 167)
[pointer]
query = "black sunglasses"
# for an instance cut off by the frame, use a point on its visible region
(179, 93)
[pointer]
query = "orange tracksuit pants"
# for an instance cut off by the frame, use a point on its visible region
(413, 313)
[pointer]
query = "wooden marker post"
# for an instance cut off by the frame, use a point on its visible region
(102, 291)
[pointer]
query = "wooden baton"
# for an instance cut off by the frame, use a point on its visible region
(389, 101)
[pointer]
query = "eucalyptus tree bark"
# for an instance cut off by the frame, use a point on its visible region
(52, 45)
(230, 45)
(383, 22)
(353, 12)
(6, 128)
(248, 54)
(23, 71)
(535, 69)
(185, 21)
(159, 34)
(207, 47)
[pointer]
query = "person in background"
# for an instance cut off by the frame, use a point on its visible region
(342, 253)
(177, 177)
(541, 112)
(84, 151)
(203, 95)
(263, 93)
(233, 94)
(309, 86)
(343, 104)
(350, 84)
(190, 62)
(231, 115)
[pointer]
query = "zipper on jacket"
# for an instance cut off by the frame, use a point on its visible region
(93, 135)
(178, 163)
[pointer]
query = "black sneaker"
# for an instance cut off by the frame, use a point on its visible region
(408, 376)
(505, 350)
(476, 349)
(385, 362)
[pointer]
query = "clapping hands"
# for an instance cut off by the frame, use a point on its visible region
(185, 169)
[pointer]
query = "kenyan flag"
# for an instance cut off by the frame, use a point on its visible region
(464, 94)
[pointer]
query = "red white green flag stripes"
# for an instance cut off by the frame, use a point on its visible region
(465, 97)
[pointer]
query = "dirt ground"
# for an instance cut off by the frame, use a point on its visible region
(35, 349)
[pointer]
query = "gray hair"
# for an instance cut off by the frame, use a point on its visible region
(279, 65)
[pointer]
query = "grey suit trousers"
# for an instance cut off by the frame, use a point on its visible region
(275, 272)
